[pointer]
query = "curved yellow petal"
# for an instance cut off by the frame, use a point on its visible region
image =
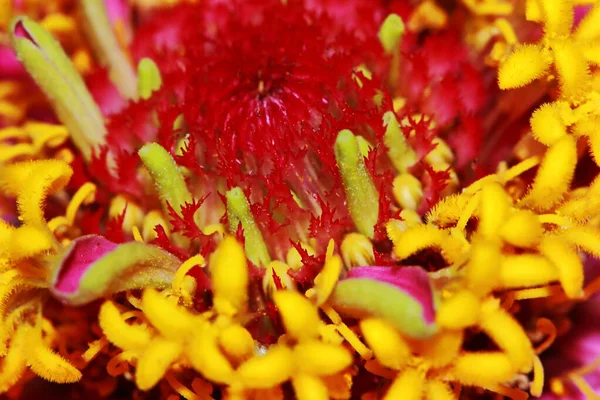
(300, 317)
(170, 319)
(526, 64)
(390, 349)
(547, 125)
(308, 387)
(229, 273)
(118, 332)
(409, 385)
(154, 362)
(318, 358)
(269, 370)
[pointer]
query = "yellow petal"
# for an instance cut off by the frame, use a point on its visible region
(594, 144)
(573, 71)
(483, 368)
(32, 182)
(547, 125)
(557, 16)
(437, 390)
(308, 387)
(300, 317)
(390, 349)
(483, 269)
(236, 341)
(325, 281)
(460, 311)
(526, 64)
(154, 362)
(206, 357)
(591, 51)
(589, 27)
(420, 237)
(269, 370)
(318, 358)
(50, 366)
(526, 270)
(585, 238)
(554, 175)
(229, 273)
(27, 241)
(443, 348)
(408, 385)
(171, 320)
(15, 362)
(506, 332)
(494, 207)
(567, 262)
(118, 332)
(522, 229)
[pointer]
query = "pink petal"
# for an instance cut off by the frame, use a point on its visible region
(84, 252)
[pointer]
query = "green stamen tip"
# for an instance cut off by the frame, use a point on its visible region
(166, 175)
(49, 66)
(391, 32)
(399, 151)
(149, 79)
(363, 199)
(238, 211)
(364, 146)
(107, 48)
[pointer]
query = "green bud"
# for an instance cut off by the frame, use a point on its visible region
(106, 46)
(391, 32)
(238, 211)
(149, 79)
(399, 151)
(166, 175)
(54, 73)
(362, 196)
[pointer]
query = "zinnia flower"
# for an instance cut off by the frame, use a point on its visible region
(298, 199)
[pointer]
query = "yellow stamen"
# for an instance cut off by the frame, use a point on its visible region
(536, 293)
(390, 349)
(460, 311)
(409, 385)
(229, 275)
(299, 315)
(137, 236)
(357, 250)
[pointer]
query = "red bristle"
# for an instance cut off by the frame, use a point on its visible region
(162, 241)
(276, 280)
(471, 91)
(185, 223)
(123, 179)
(114, 228)
(311, 265)
(420, 134)
(90, 220)
(202, 280)
(466, 140)
(443, 101)
(434, 182)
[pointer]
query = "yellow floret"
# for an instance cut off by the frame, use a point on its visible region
(526, 64)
